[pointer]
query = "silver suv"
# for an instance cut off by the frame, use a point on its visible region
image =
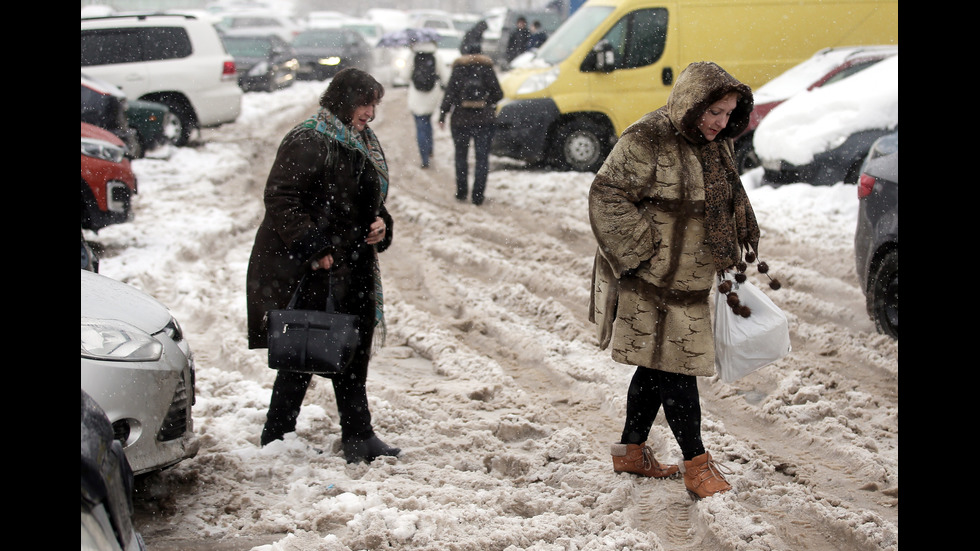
(176, 60)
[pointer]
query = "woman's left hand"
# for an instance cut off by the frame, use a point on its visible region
(377, 232)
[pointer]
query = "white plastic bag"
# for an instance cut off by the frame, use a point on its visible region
(743, 345)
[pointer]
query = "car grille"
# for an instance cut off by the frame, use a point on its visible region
(178, 418)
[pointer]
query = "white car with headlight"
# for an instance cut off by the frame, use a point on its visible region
(138, 367)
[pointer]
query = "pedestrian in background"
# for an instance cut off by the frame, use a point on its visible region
(470, 102)
(517, 43)
(425, 88)
(538, 36)
(325, 223)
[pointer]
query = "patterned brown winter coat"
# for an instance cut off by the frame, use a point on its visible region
(658, 252)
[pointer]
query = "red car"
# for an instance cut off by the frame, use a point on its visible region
(824, 67)
(108, 182)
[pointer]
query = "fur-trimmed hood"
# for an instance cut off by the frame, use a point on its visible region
(473, 59)
(699, 85)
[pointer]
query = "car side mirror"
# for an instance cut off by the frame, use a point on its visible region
(601, 59)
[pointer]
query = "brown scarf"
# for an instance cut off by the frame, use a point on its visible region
(730, 224)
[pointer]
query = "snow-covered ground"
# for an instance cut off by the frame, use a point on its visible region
(491, 381)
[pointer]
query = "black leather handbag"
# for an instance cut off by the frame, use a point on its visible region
(312, 341)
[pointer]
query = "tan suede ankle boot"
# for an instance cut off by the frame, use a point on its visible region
(638, 459)
(703, 478)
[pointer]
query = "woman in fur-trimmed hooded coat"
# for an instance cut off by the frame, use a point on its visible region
(669, 213)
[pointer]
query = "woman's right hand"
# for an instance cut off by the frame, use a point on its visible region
(326, 262)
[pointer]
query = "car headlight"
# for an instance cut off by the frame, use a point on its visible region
(116, 340)
(538, 81)
(332, 60)
(259, 69)
(104, 150)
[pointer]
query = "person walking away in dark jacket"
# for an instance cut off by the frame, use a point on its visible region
(470, 100)
(325, 223)
(538, 36)
(670, 214)
(517, 43)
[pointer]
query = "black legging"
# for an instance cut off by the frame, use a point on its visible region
(350, 388)
(678, 394)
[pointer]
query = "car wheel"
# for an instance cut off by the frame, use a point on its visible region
(185, 117)
(883, 298)
(581, 146)
(745, 157)
(173, 129)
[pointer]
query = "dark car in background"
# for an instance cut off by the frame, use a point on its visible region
(825, 67)
(104, 105)
(876, 236)
(108, 181)
(324, 52)
(142, 125)
(265, 62)
(155, 124)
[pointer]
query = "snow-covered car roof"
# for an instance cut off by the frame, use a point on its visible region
(818, 120)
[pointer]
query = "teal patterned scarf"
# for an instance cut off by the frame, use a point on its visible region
(367, 143)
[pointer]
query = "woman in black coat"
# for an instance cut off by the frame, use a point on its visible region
(325, 218)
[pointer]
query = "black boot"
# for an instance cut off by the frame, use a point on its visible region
(368, 450)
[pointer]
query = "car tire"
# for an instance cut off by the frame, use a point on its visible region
(581, 146)
(745, 156)
(883, 295)
(173, 129)
(185, 117)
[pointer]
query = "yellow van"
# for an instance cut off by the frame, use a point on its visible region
(613, 61)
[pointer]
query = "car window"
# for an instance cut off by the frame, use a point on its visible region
(240, 46)
(319, 39)
(638, 39)
(247, 22)
(848, 71)
(110, 46)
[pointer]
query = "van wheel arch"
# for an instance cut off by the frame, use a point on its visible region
(582, 143)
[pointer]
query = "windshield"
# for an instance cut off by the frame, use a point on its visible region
(449, 42)
(572, 33)
(246, 47)
(319, 39)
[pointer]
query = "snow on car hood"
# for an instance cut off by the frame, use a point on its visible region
(819, 120)
(106, 298)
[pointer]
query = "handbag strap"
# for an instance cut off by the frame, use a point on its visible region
(331, 301)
